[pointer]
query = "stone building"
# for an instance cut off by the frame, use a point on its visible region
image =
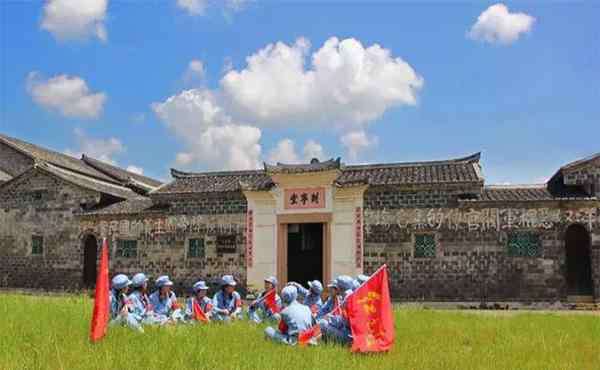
(443, 233)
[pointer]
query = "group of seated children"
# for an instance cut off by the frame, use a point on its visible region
(297, 310)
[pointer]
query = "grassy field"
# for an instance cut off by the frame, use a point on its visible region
(51, 333)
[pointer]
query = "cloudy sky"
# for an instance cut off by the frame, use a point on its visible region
(227, 84)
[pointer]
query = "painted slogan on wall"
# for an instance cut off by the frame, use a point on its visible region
(483, 219)
(304, 198)
(358, 230)
(249, 238)
(152, 228)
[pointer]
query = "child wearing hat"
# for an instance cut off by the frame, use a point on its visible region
(200, 289)
(311, 296)
(142, 309)
(332, 301)
(164, 301)
(336, 327)
(227, 303)
(258, 310)
(295, 318)
(120, 306)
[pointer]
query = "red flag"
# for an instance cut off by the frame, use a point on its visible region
(270, 301)
(305, 336)
(369, 311)
(198, 313)
(101, 313)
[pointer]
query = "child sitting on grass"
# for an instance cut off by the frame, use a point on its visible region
(295, 318)
(164, 301)
(227, 303)
(120, 306)
(258, 309)
(204, 303)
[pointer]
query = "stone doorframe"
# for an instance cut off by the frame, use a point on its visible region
(282, 248)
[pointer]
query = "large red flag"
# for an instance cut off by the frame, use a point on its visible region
(198, 313)
(270, 301)
(101, 299)
(369, 311)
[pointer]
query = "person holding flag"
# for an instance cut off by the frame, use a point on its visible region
(121, 309)
(199, 306)
(335, 325)
(265, 307)
(227, 303)
(296, 318)
(332, 301)
(311, 297)
(164, 301)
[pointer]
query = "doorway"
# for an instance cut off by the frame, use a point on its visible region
(305, 252)
(579, 264)
(90, 256)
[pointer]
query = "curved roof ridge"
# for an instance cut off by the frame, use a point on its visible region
(473, 158)
(515, 186)
(182, 174)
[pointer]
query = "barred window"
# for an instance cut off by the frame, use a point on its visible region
(196, 248)
(37, 245)
(126, 248)
(524, 245)
(424, 245)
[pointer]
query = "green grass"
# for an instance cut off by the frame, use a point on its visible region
(52, 333)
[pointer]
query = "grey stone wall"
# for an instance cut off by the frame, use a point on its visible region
(12, 161)
(205, 204)
(392, 197)
(41, 205)
(163, 244)
(472, 261)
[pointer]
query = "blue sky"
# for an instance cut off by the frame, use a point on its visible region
(524, 92)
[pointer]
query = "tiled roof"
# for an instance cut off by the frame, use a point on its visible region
(580, 162)
(119, 173)
(130, 206)
(313, 166)
(210, 182)
(525, 193)
(461, 170)
(42, 154)
(88, 182)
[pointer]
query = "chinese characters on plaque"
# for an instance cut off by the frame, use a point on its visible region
(358, 236)
(304, 198)
(249, 238)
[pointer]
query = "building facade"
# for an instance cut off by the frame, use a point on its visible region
(443, 233)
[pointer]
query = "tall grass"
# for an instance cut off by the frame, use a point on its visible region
(52, 333)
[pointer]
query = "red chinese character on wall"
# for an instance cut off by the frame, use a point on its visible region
(304, 198)
(249, 238)
(358, 236)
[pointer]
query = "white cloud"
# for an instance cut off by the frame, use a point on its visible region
(285, 152)
(195, 72)
(75, 19)
(101, 149)
(135, 169)
(66, 94)
(211, 137)
(312, 149)
(193, 7)
(198, 7)
(357, 141)
(497, 25)
(346, 84)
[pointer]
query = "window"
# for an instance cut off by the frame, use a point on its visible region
(424, 245)
(524, 245)
(226, 243)
(37, 245)
(196, 248)
(126, 248)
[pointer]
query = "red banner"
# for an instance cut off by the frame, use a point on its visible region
(369, 311)
(101, 313)
(270, 301)
(199, 315)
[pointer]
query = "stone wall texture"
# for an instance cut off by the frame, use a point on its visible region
(41, 205)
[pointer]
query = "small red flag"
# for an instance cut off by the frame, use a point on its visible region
(270, 301)
(305, 336)
(369, 311)
(198, 313)
(101, 313)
